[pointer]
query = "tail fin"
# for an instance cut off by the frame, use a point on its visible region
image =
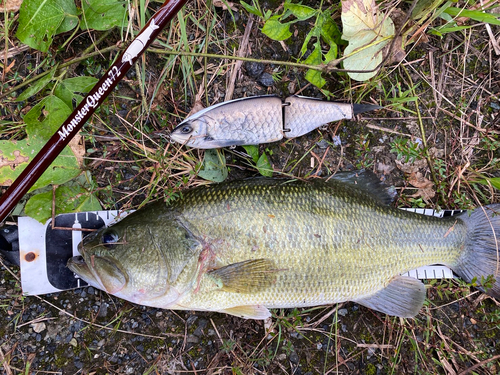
(481, 257)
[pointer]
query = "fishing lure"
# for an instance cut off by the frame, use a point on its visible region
(260, 119)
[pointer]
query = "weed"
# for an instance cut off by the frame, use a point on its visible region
(407, 150)
(362, 152)
(228, 345)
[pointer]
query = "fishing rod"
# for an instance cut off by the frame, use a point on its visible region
(87, 107)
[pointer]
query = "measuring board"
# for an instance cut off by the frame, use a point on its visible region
(44, 250)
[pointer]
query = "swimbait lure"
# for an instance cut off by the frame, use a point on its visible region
(260, 119)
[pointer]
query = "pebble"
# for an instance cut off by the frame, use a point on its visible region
(266, 79)
(191, 320)
(103, 311)
(202, 323)
(336, 141)
(342, 312)
(322, 144)
(254, 69)
(193, 339)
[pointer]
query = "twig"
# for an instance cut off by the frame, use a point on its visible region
(60, 66)
(477, 365)
(242, 51)
(424, 139)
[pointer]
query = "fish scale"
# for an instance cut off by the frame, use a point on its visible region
(317, 258)
(303, 115)
(243, 247)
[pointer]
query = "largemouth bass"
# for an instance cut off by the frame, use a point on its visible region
(246, 246)
(260, 119)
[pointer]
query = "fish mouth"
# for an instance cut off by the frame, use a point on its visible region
(78, 265)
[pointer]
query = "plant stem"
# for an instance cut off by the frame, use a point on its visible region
(61, 66)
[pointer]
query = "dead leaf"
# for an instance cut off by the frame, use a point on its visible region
(397, 53)
(77, 145)
(10, 5)
(367, 31)
(38, 327)
(13, 164)
(9, 67)
(224, 5)
(384, 168)
(197, 106)
(413, 167)
(424, 186)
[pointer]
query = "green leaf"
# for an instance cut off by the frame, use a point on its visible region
(329, 31)
(495, 182)
(39, 85)
(476, 15)
(15, 156)
(103, 14)
(64, 94)
(276, 30)
(424, 7)
(302, 12)
(40, 20)
(81, 84)
(331, 54)
(67, 199)
(67, 90)
(440, 31)
(42, 121)
(46, 117)
(264, 166)
(214, 166)
(314, 76)
(253, 151)
(367, 32)
(251, 9)
(308, 37)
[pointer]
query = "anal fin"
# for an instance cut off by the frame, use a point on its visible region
(403, 297)
(257, 312)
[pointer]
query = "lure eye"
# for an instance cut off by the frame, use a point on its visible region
(186, 129)
(109, 239)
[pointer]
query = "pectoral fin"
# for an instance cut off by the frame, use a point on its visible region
(249, 276)
(249, 312)
(404, 297)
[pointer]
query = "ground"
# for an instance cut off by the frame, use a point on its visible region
(436, 140)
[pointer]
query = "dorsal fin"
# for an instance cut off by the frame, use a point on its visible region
(368, 183)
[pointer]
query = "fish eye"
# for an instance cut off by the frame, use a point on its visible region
(186, 129)
(109, 239)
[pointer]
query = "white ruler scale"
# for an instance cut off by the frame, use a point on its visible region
(44, 251)
(432, 271)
